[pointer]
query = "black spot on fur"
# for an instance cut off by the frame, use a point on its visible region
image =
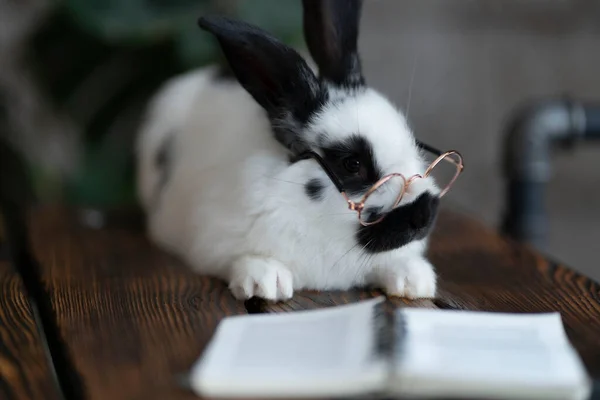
(401, 226)
(314, 189)
(359, 148)
(164, 161)
(162, 155)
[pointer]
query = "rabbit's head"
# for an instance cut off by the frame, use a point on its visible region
(351, 135)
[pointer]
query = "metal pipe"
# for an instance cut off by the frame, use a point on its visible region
(534, 131)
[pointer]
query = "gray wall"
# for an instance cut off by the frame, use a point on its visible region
(474, 62)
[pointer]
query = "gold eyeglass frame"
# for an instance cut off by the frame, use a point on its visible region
(359, 206)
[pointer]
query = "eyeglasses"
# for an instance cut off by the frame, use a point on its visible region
(387, 192)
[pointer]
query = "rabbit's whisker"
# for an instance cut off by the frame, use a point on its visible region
(367, 259)
(410, 86)
(364, 259)
(345, 236)
(283, 180)
(344, 255)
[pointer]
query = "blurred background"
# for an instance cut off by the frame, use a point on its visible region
(75, 76)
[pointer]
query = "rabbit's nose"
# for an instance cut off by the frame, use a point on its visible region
(425, 209)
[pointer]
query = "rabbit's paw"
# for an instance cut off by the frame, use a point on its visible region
(261, 277)
(414, 278)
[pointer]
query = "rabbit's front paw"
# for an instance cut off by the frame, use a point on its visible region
(261, 277)
(412, 279)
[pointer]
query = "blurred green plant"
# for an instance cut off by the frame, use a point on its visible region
(101, 60)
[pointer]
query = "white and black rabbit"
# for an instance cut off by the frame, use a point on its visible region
(225, 186)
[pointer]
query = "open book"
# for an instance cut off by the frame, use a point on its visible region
(362, 349)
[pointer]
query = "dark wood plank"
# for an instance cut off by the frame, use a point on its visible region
(133, 317)
(24, 370)
(307, 300)
(480, 270)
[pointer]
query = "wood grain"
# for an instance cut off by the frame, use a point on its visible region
(132, 317)
(24, 371)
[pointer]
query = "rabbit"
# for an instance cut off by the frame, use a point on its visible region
(225, 185)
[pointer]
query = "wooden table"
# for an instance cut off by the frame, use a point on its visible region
(133, 318)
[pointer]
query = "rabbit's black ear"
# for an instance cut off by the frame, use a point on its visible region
(274, 74)
(331, 32)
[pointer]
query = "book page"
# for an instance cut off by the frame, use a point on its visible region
(464, 353)
(319, 352)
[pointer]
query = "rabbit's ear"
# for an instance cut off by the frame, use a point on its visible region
(331, 32)
(274, 74)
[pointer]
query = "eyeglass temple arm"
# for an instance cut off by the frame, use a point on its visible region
(427, 147)
(328, 171)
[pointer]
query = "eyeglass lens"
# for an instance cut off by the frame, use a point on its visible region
(444, 173)
(383, 199)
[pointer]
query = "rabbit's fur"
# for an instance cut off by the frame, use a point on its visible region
(222, 189)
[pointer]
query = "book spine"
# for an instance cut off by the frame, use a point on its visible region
(384, 331)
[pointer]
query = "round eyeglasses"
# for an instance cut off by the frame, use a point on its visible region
(387, 192)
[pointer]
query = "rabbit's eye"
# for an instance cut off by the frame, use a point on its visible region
(352, 165)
